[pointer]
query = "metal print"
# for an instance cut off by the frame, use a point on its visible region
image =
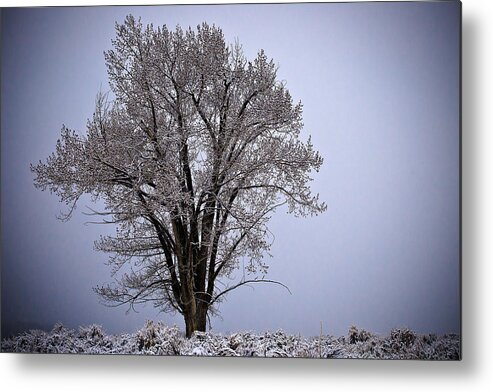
(263, 180)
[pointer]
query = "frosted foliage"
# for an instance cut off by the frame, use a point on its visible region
(193, 153)
(159, 339)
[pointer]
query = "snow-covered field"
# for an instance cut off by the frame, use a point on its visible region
(159, 339)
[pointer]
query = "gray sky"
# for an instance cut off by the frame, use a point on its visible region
(380, 88)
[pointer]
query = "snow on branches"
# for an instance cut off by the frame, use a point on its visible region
(192, 155)
(159, 339)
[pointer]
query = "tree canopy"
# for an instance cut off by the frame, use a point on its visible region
(191, 152)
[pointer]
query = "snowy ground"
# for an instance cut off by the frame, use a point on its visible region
(159, 339)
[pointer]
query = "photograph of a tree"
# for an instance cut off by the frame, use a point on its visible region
(191, 153)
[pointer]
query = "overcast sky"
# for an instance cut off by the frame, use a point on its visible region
(380, 88)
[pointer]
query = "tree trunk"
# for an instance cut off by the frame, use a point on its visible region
(190, 325)
(201, 318)
(196, 321)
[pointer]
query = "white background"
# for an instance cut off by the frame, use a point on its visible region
(473, 373)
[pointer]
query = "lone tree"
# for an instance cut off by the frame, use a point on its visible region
(193, 153)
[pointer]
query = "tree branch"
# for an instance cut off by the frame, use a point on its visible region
(245, 282)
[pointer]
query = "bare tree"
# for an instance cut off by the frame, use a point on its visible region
(193, 154)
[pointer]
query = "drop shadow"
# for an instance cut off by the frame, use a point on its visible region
(471, 141)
